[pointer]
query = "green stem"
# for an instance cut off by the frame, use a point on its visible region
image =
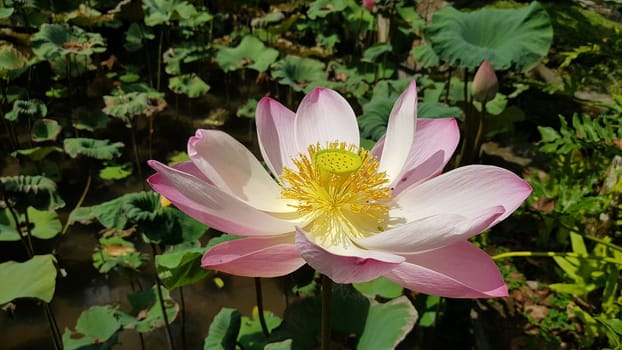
(87, 186)
(262, 319)
(136, 158)
(183, 317)
(554, 254)
(327, 286)
(169, 334)
(478, 134)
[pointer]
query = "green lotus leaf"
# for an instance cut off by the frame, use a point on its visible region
(147, 311)
(97, 327)
(37, 153)
(6, 12)
(27, 109)
(116, 253)
(116, 172)
(223, 330)
(136, 35)
(190, 85)
(91, 120)
(45, 130)
(164, 11)
(321, 8)
(425, 55)
(372, 52)
(44, 224)
(505, 37)
(250, 53)
(34, 278)
(36, 191)
(388, 324)
(92, 148)
(379, 286)
(12, 61)
(301, 74)
(181, 265)
(251, 334)
(56, 40)
(133, 100)
(247, 110)
(271, 18)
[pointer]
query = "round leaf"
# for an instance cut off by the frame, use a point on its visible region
(302, 74)
(45, 130)
(35, 278)
(92, 148)
(388, 324)
(251, 53)
(505, 37)
(188, 84)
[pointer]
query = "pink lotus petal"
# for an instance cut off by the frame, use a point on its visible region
(435, 142)
(325, 116)
(235, 170)
(469, 191)
(255, 257)
(400, 133)
(214, 207)
(430, 233)
(361, 266)
(275, 130)
(460, 270)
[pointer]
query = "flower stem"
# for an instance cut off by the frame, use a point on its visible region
(327, 286)
(169, 334)
(262, 319)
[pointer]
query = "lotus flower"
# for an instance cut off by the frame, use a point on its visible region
(369, 4)
(349, 213)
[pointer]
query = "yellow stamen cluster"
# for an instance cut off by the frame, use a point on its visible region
(339, 188)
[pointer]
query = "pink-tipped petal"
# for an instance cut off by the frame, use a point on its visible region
(400, 133)
(485, 83)
(460, 270)
(469, 191)
(214, 207)
(435, 142)
(275, 131)
(235, 170)
(369, 4)
(430, 233)
(325, 116)
(255, 257)
(361, 266)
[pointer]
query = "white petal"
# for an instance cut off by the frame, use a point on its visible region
(275, 130)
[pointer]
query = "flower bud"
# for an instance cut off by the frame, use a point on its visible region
(369, 4)
(485, 83)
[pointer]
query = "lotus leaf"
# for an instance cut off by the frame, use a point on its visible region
(321, 8)
(12, 61)
(36, 191)
(128, 105)
(34, 278)
(91, 120)
(56, 40)
(223, 330)
(163, 11)
(301, 74)
(45, 130)
(182, 265)
(92, 148)
(190, 85)
(44, 224)
(506, 37)
(116, 172)
(116, 253)
(27, 109)
(388, 324)
(147, 311)
(250, 53)
(37, 153)
(97, 326)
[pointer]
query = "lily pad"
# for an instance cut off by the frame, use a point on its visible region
(98, 326)
(321, 8)
(91, 120)
(190, 85)
(147, 310)
(301, 74)
(388, 324)
(45, 130)
(92, 148)
(34, 278)
(127, 105)
(27, 109)
(250, 53)
(57, 40)
(36, 191)
(116, 253)
(504, 37)
(12, 61)
(159, 12)
(116, 172)
(44, 224)
(37, 153)
(223, 331)
(181, 266)
(379, 287)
